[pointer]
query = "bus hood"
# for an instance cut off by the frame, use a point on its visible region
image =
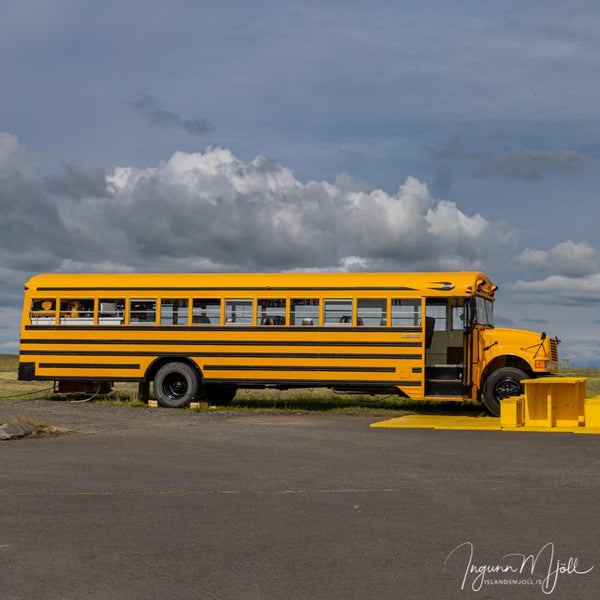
(538, 349)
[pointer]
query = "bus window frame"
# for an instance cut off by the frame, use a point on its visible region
(292, 320)
(171, 299)
(210, 313)
(250, 323)
(144, 323)
(51, 318)
(383, 317)
(344, 320)
(70, 321)
(395, 316)
(118, 318)
(263, 318)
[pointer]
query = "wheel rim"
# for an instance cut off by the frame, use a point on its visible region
(175, 386)
(507, 387)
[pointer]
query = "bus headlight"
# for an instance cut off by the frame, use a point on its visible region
(542, 364)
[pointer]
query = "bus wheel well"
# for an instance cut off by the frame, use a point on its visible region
(506, 361)
(160, 362)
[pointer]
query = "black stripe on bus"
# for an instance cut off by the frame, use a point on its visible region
(298, 368)
(159, 342)
(307, 383)
(86, 378)
(298, 383)
(86, 366)
(292, 329)
(227, 289)
(317, 355)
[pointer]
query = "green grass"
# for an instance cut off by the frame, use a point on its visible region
(321, 399)
(593, 375)
(10, 386)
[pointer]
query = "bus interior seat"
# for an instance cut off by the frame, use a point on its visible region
(429, 327)
(200, 319)
(273, 320)
(455, 355)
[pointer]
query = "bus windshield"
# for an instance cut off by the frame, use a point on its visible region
(484, 312)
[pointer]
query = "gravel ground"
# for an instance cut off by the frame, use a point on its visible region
(89, 418)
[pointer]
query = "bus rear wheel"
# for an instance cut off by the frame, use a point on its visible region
(501, 384)
(176, 384)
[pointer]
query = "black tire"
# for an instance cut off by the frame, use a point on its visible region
(501, 384)
(176, 384)
(220, 394)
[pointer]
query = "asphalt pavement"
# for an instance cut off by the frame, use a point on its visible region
(153, 504)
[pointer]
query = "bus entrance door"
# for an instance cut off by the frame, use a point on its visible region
(446, 347)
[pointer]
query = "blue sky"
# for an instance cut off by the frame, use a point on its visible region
(276, 135)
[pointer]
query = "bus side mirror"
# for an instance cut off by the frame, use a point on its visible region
(543, 336)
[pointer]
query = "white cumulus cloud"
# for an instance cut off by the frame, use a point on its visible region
(569, 259)
(558, 289)
(214, 211)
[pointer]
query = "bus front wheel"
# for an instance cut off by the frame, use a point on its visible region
(176, 385)
(501, 384)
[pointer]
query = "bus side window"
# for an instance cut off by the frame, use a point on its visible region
(142, 311)
(406, 312)
(206, 311)
(337, 312)
(238, 312)
(174, 311)
(76, 312)
(371, 312)
(304, 311)
(437, 309)
(43, 312)
(270, 311)
(111, 311)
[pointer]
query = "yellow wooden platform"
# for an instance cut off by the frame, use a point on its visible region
(557, 404)
(466, 423)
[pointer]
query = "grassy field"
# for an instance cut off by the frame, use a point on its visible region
(314, 400)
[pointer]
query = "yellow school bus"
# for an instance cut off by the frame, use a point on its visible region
(203, 336)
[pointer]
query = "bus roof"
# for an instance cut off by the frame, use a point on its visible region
(458, 283)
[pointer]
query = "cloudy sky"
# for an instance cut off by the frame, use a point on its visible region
(275, 135)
